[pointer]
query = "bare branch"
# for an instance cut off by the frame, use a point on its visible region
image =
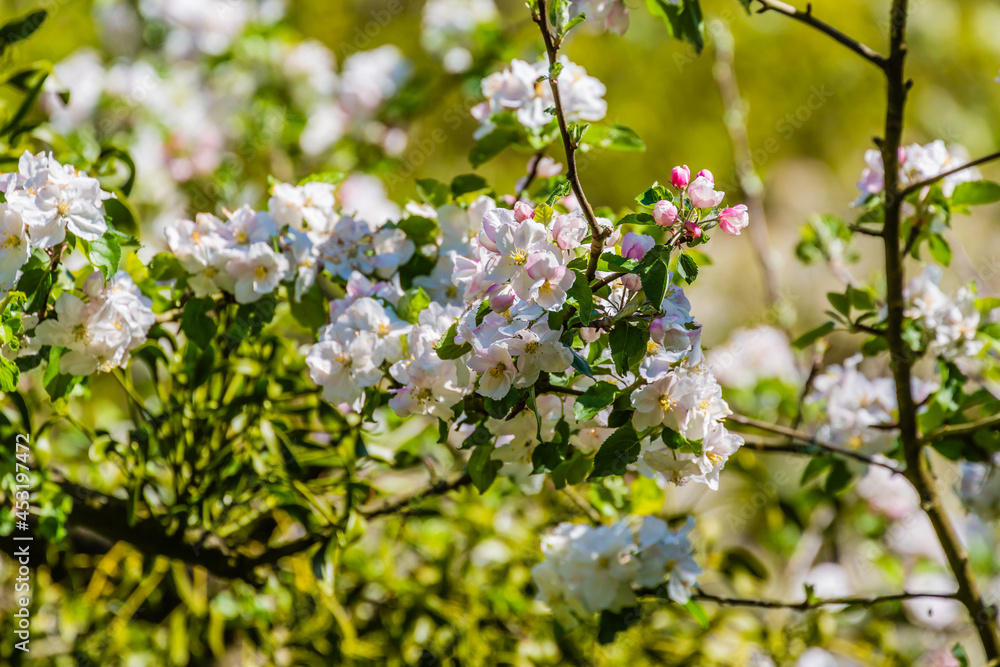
(944, 174)
(806, 17)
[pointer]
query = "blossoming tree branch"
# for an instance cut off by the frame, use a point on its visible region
(548, 337)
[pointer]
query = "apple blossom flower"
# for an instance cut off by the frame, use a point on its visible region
(733, 220)
(544, 281)
(702, 192)
(257, 271)
(498, 371)
(14, 247)
(665, 213)
(635, 246)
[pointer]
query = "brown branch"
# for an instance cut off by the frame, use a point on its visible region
(959, 430)
(814, 604)
(532, 174)
(806, 17)
(809, 439)
(944, 174)
(918, 468)
(597, 235)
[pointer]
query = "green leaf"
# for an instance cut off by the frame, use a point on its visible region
(419, 230)
(500, 408)
(636, 219)
(813, 335)
(9, 375)
(433, 192)
(816, 467)
(492, 145)
(597, 397)
(467, 183)
(698, 612)
(165, 266)
(448, 349)
(654, 275)
(572, 471)
(654, 194)
(482, 468)
(330, 177)
(746, 5)
(615, 137)
(618, 451)
(940, 250)
(687, 268)
(975, 193)
(581, 293)
(22, 28)
(195, 323)
(481, 436)
(312, 308)
(839, 479)
(105, 254)
(683, 20)
(840, 302)
(613, 622)
(628, 345)
(412, 303)
(580, 364)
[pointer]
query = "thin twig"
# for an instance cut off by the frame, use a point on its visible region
(944, 174)
(532, 174)
(813, 604)
(806, 17)
(812, 440)
(597, 234)
(960, 430)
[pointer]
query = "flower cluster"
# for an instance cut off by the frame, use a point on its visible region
(853, 404)
(517, 274)
(44, 201)
(695, 207)
(100, 331)
(523, 89)
(252, 252)
(591, 569)
(950, 324)
(916, 163)
(183, 115)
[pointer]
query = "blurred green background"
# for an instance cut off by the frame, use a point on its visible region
(813, 110)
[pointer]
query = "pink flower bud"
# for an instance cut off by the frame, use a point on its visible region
(635, 246)
(680, 177)
(733, 220)
(705, 173)
(664, 213)
(523, 212)
(502, 299)
(693, 230)
(632, 282)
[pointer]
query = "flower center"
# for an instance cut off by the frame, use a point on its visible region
(667, 403)
(497, 372)
(531, 347)
(651, 348)
(63, 208)
(518, 256)
(260, 272)
(10, 242)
